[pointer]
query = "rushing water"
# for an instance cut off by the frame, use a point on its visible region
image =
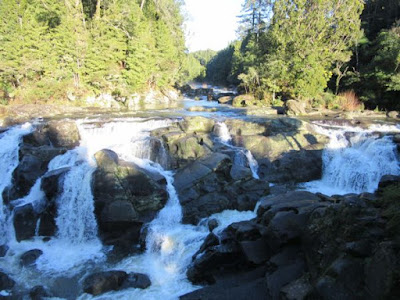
(243, 157)
(9, 159)
(355, 160)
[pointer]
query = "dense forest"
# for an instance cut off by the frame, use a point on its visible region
(307, 50)
(50, 48)
(315, 50)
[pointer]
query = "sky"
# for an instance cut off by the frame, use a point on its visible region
(211, 24)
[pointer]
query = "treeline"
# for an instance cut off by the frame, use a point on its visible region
(314, 50)
(52, 48)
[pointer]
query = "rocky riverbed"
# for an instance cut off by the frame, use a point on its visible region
(102, 185)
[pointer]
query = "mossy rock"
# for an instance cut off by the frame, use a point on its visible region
(197, 124)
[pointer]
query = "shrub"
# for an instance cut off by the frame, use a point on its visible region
(349, 101)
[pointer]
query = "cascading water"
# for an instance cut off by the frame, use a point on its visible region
(355, 160)
(242, 156)
(9, 159)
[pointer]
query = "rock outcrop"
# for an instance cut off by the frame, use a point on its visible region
(206, 186)
(306, 246)
(125, 196)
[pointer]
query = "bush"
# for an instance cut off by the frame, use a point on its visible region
(349, 101)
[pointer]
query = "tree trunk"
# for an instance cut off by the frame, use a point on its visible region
(142, 4)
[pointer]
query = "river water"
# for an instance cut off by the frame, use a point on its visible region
(353, 162)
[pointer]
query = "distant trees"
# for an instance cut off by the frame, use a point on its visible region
(301, 49)
(51, 47)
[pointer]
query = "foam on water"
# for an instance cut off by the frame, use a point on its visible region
(9, 159)
(355, 160)
(243, 157)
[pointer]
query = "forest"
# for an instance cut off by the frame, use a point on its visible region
(286, 49)
(49, 48)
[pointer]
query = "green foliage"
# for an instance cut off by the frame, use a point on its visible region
(88, 45)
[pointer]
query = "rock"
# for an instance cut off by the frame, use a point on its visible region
(294, 107)
(282, 276)
(256, 252)
(244, 100)
(327, 288)
(202, 109)
(39, 292)
(63, 134)
(25, 220)
(29, 258)
(136, 280)
(380, 269)
(197, 124)
(99, 283)
(119, 211)
(392, 114)
(33, 164)
(52, 183)
(125, 197)
(212, 224)
(3, 250)
(297, 290)
(194, 172)
(6, 283)
(240, 285)
(362, 248)
(291, 200)
(388, 180)
(225, 100)
(106, 159)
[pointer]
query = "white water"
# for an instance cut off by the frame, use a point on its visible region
(355, 160)
(9, 159)
(170, 245)
(243, 157)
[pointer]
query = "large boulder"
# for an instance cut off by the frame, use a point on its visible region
(244, 100)
(99, 283)
(63, 134)
(197, 124)
(125, 197)
(295, 108)
(25, 220)
(6, 283)
(206, 187)
(102, 282)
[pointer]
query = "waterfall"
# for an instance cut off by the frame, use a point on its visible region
(355, 160)
(243, 157)
(9, 159)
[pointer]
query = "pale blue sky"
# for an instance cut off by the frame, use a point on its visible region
(211, 24)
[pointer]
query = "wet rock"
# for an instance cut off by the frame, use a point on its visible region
(212, 224)
(30, 257)
(39, 292)
(52, 183)
(25, 219)
(136, 280)
(388, 180)
(63, 134)
(125, 197)
(6, 283)
(206, 187)
(99, 283)
(3, 250)
(295, 108)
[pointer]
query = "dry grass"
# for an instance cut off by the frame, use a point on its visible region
(349, 101)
